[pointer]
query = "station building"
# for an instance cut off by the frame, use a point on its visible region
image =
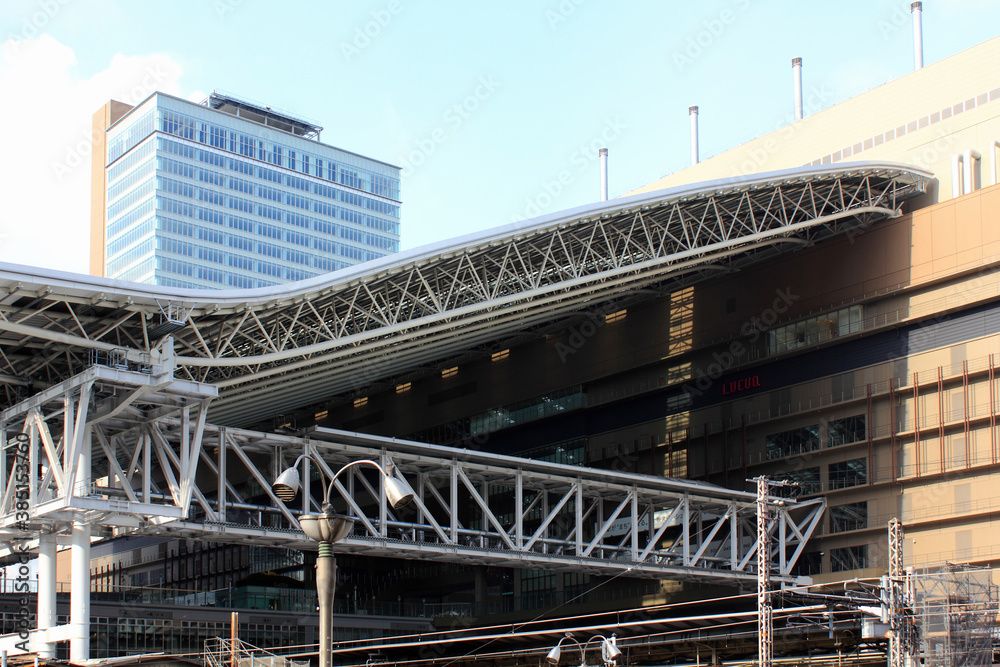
(863, 368)
(860, 367)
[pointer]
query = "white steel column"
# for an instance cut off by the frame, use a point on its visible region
(918, 35)
(79, 630)
(46, 594)
(797, 86)
(603, 154)
(693, 115)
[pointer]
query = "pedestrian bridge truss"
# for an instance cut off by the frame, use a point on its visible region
(288, 347)
(132, 453)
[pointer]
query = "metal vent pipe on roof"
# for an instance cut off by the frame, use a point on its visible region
(693, 114)
(797, 83)
(604, 173)
(918, 35)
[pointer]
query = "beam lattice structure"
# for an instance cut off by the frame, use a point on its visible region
(157, 467)
(288, 347)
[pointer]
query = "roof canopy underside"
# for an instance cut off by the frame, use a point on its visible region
(287, 347)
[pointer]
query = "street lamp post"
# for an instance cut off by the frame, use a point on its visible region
(609, 651)
(329, 527)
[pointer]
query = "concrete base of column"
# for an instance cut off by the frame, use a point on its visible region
(79, 631)
(46, 594)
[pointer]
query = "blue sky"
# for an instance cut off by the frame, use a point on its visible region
(486, 105)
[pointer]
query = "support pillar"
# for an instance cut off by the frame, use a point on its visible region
(79, 631)
(326, 583)
(46, 594)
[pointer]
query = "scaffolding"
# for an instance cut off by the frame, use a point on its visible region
(955, 614)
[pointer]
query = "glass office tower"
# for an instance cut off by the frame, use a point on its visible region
(231, 194)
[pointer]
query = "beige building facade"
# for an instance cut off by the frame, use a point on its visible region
(864, 368)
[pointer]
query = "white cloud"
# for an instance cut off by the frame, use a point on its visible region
(45, 134)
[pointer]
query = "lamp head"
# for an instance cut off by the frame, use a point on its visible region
(610, 652)
(397, 490)
(287, 485)
(553, 657)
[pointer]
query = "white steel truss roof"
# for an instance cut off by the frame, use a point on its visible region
(286, 347)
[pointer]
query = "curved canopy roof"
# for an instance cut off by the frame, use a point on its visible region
(285, 347)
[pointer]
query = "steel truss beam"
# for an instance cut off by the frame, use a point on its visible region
(283, 348)
(91, 442)
(76, 458)
(155, 466)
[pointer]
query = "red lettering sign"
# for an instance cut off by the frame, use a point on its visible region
(736, 386)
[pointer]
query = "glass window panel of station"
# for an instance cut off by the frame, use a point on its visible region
(852, 516)
(849, 558)
(846, 431)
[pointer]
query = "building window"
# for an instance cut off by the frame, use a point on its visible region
(449, 372)
(575, 585)
(853, 516)
(361, 402)
(500, 356)
(617, 316)
(538, 588)
(845, 431)
(808, 564)
(502, 417)
(572, 452)
(792, 443)
(814, 330)
(403, 388)
(849, 558)
(807, 479)
(848, 473)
